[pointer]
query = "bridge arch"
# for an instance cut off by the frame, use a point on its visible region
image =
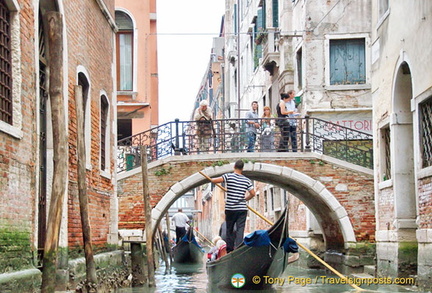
(332, 216)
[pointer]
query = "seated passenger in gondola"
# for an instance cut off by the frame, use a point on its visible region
(218, 250)
(222, 248)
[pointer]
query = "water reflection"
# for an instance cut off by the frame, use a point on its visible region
(193, 279)
(180, 278)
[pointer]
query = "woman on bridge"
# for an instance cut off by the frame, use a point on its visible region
(267, 133)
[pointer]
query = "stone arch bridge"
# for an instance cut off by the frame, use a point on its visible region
(338, 193)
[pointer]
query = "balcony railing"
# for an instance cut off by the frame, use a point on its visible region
(231, 136)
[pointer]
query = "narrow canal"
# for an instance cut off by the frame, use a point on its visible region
(193, 279)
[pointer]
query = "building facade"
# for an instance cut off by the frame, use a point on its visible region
(43, 71)
(321, 50)
(402, 103)
(353, 63)
(136, 66)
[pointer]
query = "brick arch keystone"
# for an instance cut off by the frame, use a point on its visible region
(332, 216)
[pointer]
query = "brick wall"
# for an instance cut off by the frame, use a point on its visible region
(425, 203)
(90, 45)
(17, 161)
(354, 191)
(386, 212)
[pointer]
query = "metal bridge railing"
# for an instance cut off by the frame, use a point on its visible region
(231, 136)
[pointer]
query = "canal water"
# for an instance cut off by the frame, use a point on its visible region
(193, 279)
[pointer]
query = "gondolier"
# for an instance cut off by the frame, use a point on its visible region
(235, 205)
(181, 222)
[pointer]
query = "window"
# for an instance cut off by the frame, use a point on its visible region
(85, 85)
(104, 131)
(385, 139)
(5, 66)
(299, 59)
(124, 43)
(347, 62)
(275, 11)
(272, 199)
(426, 132)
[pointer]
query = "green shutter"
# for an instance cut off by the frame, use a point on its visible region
(275, 13)
(259, 21)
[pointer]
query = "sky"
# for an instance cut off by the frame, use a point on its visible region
(185, 36)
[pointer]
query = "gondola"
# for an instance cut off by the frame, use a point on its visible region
(187, 250)
(247, 266)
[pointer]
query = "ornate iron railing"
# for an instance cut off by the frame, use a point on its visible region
(231, 136)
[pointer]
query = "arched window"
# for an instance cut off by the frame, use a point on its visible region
(85, 85)
(104, 131)
(124, 44)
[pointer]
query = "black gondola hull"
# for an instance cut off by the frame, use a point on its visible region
(187, 252)
(253, 263)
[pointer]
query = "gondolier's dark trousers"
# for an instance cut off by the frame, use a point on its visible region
(232, 218)
(180, 232)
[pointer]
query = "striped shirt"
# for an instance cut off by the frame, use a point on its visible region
(237, 185)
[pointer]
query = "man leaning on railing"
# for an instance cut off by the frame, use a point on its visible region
(203, 117)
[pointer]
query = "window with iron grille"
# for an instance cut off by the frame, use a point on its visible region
(5, 65)
(385, 132)
(426, 132)
(103, 121)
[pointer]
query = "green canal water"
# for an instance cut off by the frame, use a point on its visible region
(193, 279)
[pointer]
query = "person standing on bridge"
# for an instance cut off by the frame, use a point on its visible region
(235, 204)
(203, 117)
(181, 222)
(252, 125)
(267, 134)
(286, 110)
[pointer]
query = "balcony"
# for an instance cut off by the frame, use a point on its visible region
(271, 53)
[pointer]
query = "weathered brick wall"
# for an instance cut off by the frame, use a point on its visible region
(425, 203)
(17, 162)
(386, 207)
(354, 191)
(90, 45)
(297, 214)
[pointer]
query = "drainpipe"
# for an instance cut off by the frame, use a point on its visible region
(238, 58)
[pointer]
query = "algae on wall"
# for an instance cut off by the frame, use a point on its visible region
(15, 250)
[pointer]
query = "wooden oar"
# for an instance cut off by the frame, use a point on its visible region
(204, 237)
(299, 244)
(313, 254)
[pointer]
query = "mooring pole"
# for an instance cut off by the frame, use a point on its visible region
(148, 219)
(82, 189)
(60, 150)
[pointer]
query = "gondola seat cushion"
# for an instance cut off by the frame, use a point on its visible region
(290, 245)
(257, 238)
